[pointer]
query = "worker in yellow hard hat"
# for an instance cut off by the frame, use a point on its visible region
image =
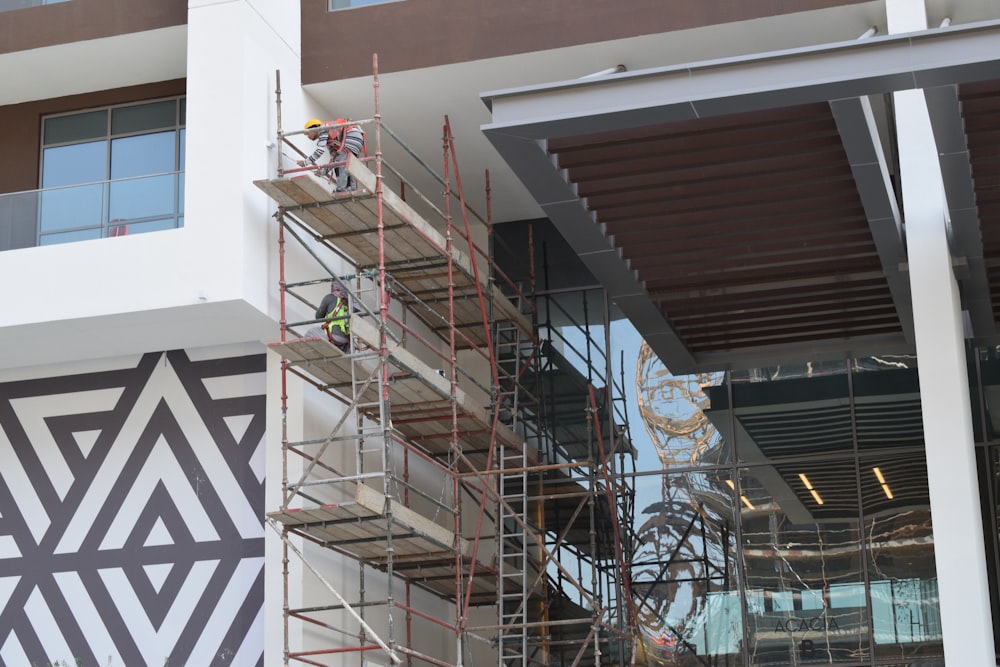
(337, 138)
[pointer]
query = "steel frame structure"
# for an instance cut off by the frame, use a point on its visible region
(432, 314)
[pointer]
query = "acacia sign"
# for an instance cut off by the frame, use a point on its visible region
(815, 624)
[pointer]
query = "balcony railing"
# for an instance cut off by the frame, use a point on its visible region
(92, 211)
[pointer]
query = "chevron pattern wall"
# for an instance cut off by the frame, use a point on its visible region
(131, 504)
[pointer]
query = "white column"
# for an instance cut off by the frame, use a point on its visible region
(234, 49)
(959, 548)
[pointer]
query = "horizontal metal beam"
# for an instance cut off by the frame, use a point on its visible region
(524, 119)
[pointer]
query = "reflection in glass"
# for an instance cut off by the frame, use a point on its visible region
(887, 409)
(143, 155)
(181, 148)
(684, 578)
(675, 412)
(790, 416)
(804, 576)
(905, 612)
(347, 4)
(150, 197)
(78, 163)
(989, 370)
(71, 208)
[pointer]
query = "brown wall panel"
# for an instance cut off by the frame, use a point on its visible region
(79, 20)
(410, 34)
(22, 124)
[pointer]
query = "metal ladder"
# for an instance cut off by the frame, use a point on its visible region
(512, 593)
(513, 558)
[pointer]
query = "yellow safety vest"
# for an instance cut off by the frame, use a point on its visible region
(338, 318)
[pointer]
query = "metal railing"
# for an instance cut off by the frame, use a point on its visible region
(92, 210)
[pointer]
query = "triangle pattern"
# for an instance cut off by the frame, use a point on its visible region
(49, 429)
(238, 425)
(156, 590)
(158, 535)
(12, 653)
(8, 547)
(145, 481)
(86, 440)
(157, 574)
(7, 585)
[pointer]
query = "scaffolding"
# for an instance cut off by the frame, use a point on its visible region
(442, 470)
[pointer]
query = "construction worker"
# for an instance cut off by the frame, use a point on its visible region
(339, 138)
(335, 308)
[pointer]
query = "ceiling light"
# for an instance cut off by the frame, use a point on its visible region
(881, 480)
(743, 498)
(815, 495)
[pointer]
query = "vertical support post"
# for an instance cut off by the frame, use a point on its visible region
(383, 352)
(280, 135)
(959, 546)
(453, 389)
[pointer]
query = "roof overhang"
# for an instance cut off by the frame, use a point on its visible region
(742, 211)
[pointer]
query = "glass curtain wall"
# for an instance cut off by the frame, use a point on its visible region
(985, 377)
(786, 519)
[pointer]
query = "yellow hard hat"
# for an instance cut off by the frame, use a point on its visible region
(313, 122)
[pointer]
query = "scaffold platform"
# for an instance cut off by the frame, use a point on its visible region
(423, 551)
(413, 250)
(420, 396)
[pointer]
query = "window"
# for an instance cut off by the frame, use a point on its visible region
(112, 171)
(8, 5)
(350, 4)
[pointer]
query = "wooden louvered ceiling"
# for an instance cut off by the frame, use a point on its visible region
(747, 230)
(747, 212)
(980, 113)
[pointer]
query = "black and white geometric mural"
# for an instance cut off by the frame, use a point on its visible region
(131, 504)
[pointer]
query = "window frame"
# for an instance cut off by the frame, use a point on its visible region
(108, 226)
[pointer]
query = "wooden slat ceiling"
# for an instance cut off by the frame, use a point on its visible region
(747, 230)
(980, 111)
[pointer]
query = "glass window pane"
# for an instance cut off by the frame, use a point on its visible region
(19, 220)
(68, 237)
(806, 546)
(900, 536)
(347, 4)
(140, 117)
(684, 578)
(183, 114)
(79, 163)
(684, 415)
(149, 197)
(182, 149)
(143, 155)
(792, 411)
(75, 127)
(887, 407)
(989, 360)
(69, 208)
(133, 228)
(8, 5)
